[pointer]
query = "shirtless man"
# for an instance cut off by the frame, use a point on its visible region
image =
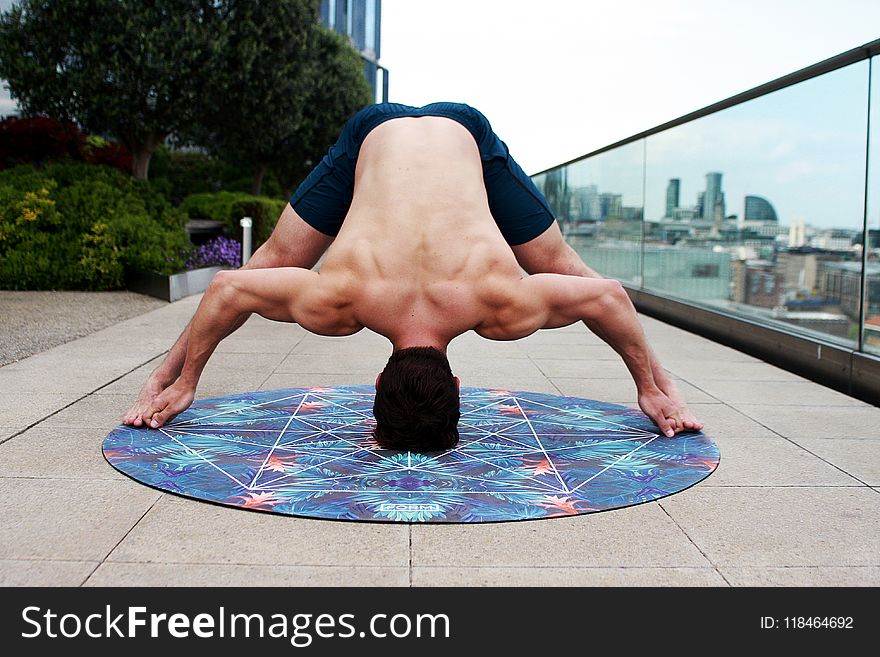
(433, 220)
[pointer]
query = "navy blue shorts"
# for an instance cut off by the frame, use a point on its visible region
(519, 209)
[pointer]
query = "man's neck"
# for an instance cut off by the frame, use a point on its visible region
(419, 338)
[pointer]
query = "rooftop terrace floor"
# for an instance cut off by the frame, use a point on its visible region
(795, 500)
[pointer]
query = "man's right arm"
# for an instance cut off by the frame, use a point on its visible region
(168, 371)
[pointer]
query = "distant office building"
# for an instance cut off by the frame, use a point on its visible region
(797, 234)
(842, 281)
(759, 209)
(584, 203)
(834, 239)
(756, 283)
(686, 214)
(360, 20)
(631, 213)
(673, 192)
(611, 206)
(713, 199)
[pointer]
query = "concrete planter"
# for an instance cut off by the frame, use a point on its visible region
(174, 286)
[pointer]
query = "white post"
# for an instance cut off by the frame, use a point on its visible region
(246, 239)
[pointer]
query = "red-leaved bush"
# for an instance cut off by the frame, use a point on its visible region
(40, 140)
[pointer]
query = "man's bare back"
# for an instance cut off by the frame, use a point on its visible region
(419, 256)
(420, 260)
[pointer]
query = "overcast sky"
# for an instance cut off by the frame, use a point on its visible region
(560, 78)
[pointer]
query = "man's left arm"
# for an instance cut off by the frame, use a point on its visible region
(604, 306)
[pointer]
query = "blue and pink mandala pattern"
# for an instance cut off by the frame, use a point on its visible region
(309, 452)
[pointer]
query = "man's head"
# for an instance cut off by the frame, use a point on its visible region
(417, 404)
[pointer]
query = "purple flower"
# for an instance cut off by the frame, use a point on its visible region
(220, 251)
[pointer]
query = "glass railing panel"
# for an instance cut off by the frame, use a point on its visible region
(758, 209)
(871, 331)
(599, 206)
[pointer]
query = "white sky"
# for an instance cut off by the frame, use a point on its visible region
(559, 78)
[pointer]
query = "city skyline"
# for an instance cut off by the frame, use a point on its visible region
(803, 147)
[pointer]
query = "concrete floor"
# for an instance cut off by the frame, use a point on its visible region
(795, 501)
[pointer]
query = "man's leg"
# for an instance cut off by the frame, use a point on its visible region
(293, 243)
(549, 253)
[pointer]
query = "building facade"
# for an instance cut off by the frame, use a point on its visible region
(360, 21)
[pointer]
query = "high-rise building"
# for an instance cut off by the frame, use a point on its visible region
(360, 20)
(673, 192)
(758, 208)
(611, 206)
(713, 197)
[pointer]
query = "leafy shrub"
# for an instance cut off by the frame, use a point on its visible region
(40, 140)
(230, 207)
(37, 139)
(81, 226)
(219, 251)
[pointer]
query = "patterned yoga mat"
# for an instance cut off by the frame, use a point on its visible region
(309, 452)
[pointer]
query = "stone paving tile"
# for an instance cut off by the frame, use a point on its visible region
(783, 393)
(341, 364)
(194, 532)
(69, 519)
(243, 344)
(24, 408)
(803, 576)
(94, 412)
(771, 461)
(695, 370)
(781, 526)
(8, 432)
(71, 382)
(858, 456)
(229, 382)
(574, 352)
(514, 384)
(637, 536)
(23, 572)
(818, 421)
(723, 420)
(621, 390)
(243, 362)
(563, 336)
(536, 576)
(362, 342)
(185, 574)
(65, 453)
(573, 368)
(293, 380)
(515, 368)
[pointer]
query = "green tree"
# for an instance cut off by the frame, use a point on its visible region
(335, 89)
(134, 69)
(283, 83)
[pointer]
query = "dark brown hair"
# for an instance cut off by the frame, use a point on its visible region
(417, 403)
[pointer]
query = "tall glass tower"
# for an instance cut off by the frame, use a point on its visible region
(673, 191)
(713, 196)
(360, 20)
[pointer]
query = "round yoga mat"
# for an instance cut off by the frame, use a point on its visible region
(309, 452)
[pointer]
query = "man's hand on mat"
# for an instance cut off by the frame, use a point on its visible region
(666, 413)
(171, 401)
(152, 389)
